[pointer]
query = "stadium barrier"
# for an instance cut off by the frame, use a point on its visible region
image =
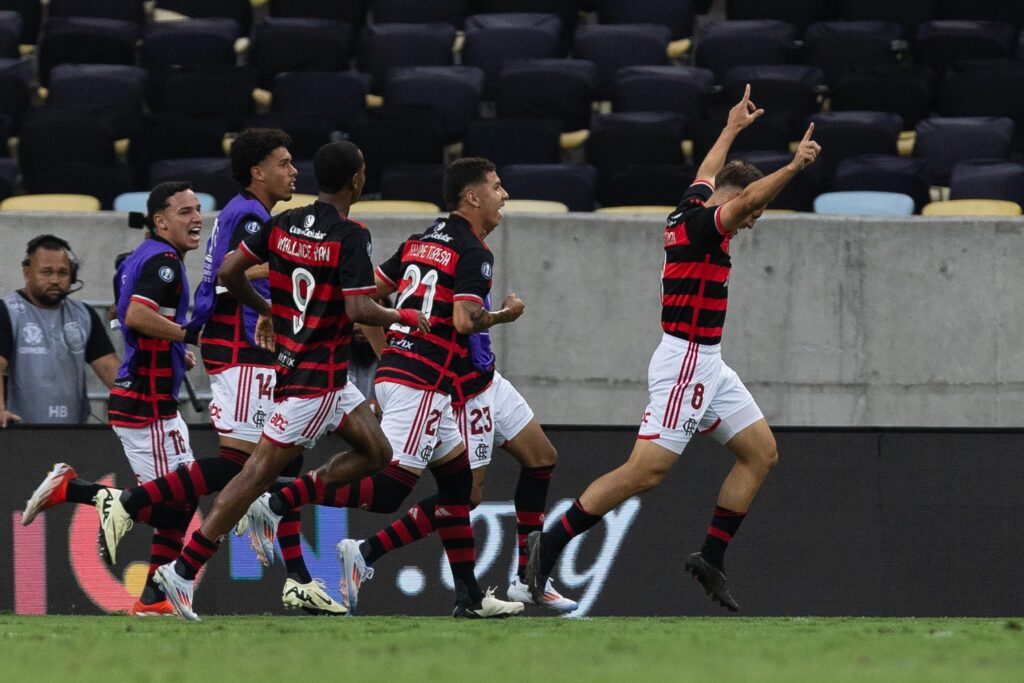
(886, 522)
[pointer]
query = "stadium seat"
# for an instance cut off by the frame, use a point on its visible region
(57, 203)
(15, 92)
(566, 10)
(864, 204)
(799, 193)
(906, 91)
(984, 89)
(533, 206)
(136, 201)
(239, 10)
(561, 89)
(190, 42)
(31, 13)
(644, 184)
(351, 12)
(390, 141)
(675, 15)
(992, 10)
(983, 179)
(453, 92)
(569, 184)
(618, 140)
(639, 210)
(944, 142)
(513, 141)
(103, 181)
(788, 93)
(75, 40)
(907, 13)
(419, 11)
(10, 34)
(413, 182)
(685, 90)
(972, 207)
(125, 10)
(841, 47)
(290, 45)
(8, 177)
(611, 47)
(175, 138)
(725, 44)
(211, 175)
(940, 43)
(845, 134)
(383, 47)
(884, 173)
(216, 93)
(114, 92)
(50, 140)
(385, 206)
(800, 13)
(492, 40)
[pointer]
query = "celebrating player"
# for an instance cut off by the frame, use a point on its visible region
(691, 389)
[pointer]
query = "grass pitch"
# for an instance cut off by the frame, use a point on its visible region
(279, 649)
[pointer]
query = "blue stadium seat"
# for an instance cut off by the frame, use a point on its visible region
(136, 201)
(210, 175)
(864, 204)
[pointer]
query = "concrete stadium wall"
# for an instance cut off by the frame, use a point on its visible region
(833, 320)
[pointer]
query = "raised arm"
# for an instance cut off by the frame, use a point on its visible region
(741, 115)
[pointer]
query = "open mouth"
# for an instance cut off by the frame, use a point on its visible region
(194, 233)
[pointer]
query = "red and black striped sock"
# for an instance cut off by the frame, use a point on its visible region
(382, 492)
(417, 523)
(288, 534)
(165, 547)
(187, 483)
(724, 525)
(574, 522)
(197, 552)
(304, 490)
(530, 499)
(451, 517)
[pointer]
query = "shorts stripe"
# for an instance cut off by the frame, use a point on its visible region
(318, 418)
(246, 395)
(675, 399)
(414, 432)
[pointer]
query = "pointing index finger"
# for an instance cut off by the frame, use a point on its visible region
(807, 135)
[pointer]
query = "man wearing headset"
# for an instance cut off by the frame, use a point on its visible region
(46, 338)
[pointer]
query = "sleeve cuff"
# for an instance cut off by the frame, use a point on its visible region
(468, 297)
(380, 273)
(718, 220)
(145, 301)
(251, 256)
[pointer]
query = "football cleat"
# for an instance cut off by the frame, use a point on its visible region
(53, 491)
(114, 522)
(552, 599)
(263, 523)
(532, 577)
(311, 597)
(163, 608)
(713, 580)
(178, 590)
(489, 607)
(354, 571)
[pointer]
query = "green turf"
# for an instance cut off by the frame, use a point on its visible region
(310, 649)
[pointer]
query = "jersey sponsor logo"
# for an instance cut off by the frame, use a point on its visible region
(306, 232)
(316, 253)
(215, 410)
(32, 334)
(430, 253)
(485, 270)
(166, 273)
(252, 227)
(278, 422)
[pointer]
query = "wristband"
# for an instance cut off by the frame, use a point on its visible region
(408, 317)
(191, 336)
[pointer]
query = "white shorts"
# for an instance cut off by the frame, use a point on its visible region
(302, 421)
(493, 416)
(692, 390)
(243, 399)
(156, 449)
(419, 424)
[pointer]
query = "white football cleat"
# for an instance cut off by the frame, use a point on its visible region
(263, 528)
(114, 522)
(354, 571)
(53, 491)
(490, 607)
(178, 590)
(552, 599)
(311, 597)
(242, 526)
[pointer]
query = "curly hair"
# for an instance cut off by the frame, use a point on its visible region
(251, 147)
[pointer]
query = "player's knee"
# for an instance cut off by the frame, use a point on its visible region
(379, 453)
(646, 478)
(547, 456)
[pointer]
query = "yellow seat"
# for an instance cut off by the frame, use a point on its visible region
(393, 206)
(534, 206)
(51, 202)
(642, 209)
(295, 202)
(972, 207)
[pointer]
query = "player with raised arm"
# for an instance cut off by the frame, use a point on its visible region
(444, 273)
(691, 388)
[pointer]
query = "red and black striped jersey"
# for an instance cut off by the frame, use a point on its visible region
(432, 271)
(147, 383)
(316, 259)
(226, 335)
(695, 279)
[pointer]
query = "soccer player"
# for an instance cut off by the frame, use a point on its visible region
(690, 387)
(489, 411)
(241, 373)
(445, 274)
(321, 281)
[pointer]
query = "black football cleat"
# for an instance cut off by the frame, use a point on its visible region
(713, 580)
